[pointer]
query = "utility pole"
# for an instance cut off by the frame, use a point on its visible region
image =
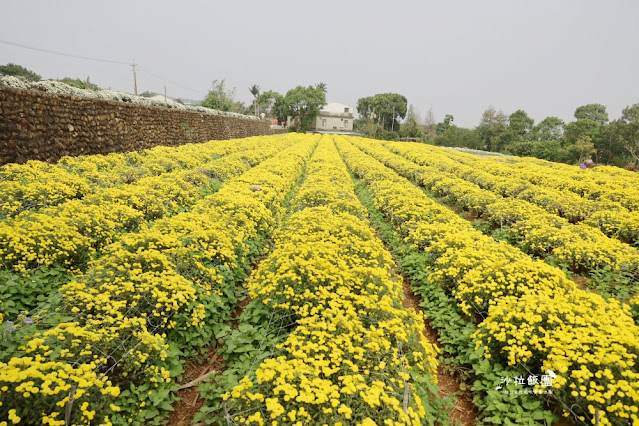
(164, 92)
(135, 79)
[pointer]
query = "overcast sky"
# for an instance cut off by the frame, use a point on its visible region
(458, 57)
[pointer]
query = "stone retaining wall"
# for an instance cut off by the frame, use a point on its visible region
(43, 126)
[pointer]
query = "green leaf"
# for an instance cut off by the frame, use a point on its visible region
(166, 405)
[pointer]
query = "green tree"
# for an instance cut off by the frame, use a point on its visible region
(411, 127)
(578, 140)
(610, 143)
(430, 125)
(459, 137)
(385, 109)
(580, 150)
(630, 131)
(631, 138)
(443, 127)
(80, 84)
(302, 104)
(630, 114)
(19, 71)
(271, 103)
(221, 99)
(550, 150)
(618, 141)
(255, 91)
(369, 128)
(493, 124)
(549, 129)
(521, 148)
(520, 125)
(578, 130)
(594, 112)
(519, 129)
(540, 140)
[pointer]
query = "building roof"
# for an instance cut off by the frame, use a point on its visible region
(336, 107)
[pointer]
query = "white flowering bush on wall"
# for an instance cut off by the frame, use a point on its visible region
(60, 88)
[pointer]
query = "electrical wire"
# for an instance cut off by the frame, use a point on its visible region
(88, 58)
(169, 81)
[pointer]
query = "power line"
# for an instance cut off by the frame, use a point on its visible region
(88, 58)
(170, 81)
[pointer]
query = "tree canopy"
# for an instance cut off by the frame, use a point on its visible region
(493, 124)
(271, 103)
(302, 104)
(80, 84)
(550, 128)
(594, 112)
(589, 136)
(255, 91)
(19, 71)
(445, 125)
(623, 134)
(411, 128)
(630, 114)
(221, 99)
(520, 124)
(385, 109)
(580, 129)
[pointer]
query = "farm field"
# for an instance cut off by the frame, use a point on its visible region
(317, 279)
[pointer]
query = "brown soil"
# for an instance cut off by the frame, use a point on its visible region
(189, 402)
(464, 411)
(581, 282)
(468, 215)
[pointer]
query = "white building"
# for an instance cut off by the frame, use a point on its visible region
(334, 118)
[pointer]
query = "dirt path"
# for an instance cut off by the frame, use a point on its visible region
(189, 402)
(464, 411)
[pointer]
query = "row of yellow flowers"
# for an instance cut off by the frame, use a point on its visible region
(536, 319)
(594, 174)
(38, 184)
(605, 184)
(627, 176)
(70, 233)
(153, 293)
(493, 174)
(355, 354)
(581, 247)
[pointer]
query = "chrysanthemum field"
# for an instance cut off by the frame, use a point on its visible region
(285, 262)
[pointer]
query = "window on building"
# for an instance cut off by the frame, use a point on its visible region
(323, 122)
(345, 123)
(345, 109)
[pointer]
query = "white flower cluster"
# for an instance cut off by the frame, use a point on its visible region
(477, 151)
(57, 87)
